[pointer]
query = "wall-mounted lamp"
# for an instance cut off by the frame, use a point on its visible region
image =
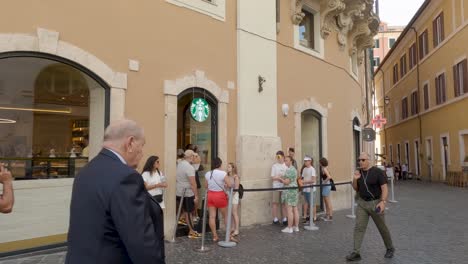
(285, 109)
(261, 80)
(386, 100)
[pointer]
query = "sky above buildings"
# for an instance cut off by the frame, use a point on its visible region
(398, 12)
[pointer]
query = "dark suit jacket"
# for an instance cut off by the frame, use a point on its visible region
(113, 219)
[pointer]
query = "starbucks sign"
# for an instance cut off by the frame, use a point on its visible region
(199, 109)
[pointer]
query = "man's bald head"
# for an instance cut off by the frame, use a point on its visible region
(127, 138)
(121, 129)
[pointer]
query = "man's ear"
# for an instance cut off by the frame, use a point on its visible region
(129, 143)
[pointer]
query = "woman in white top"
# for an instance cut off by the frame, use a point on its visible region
(216, 182)
(234, 183)
(155, 182)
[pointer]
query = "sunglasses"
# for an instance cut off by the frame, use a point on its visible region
(361, 160)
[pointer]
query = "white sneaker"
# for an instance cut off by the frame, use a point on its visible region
(296, 229)
(287, 230)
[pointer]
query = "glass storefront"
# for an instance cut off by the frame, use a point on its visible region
(45, 111)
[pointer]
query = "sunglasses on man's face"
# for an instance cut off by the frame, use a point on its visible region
(362, 160)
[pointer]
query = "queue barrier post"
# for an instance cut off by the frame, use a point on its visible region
(392, 186)
(352, 215)
(311, 226)
(177, 218)
(203, 248)
(227, 243)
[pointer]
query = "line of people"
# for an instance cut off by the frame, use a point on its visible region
(284, 173)
(188, 185)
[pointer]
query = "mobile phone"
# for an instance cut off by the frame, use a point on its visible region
(377, 209)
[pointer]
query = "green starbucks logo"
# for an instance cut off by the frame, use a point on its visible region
(199, 109)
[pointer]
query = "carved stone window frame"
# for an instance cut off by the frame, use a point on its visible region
(313, 7)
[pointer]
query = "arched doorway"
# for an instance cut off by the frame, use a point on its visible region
(356, 140)
(311, 141)
(57, 108)
(201, 132)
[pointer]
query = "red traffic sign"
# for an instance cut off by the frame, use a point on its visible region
(379, 121)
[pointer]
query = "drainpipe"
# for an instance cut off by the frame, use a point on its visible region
(384, 107)
(419, 96)
(367, 87)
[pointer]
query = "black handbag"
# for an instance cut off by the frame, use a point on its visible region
(158, 198)
(332, 184)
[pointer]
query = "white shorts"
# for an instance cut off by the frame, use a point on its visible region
(235, 198)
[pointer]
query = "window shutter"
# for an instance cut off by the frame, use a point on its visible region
(442, 30)
(465, 76)
(434, 32)
(437, 90)
(421, 55)
(444, 98)
(455, 80)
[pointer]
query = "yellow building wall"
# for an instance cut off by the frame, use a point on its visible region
(439, 120)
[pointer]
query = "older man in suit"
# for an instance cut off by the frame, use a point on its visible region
(112, 217)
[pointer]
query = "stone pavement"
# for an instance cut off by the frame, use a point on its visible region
(428, 225)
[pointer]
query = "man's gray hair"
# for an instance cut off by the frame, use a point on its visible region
(121, 129)
(365, 154)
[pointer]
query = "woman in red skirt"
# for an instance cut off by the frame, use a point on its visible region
(216, 182)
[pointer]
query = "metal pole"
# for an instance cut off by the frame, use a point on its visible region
(227, 243)
(311, 226)
(177, 218)
(393, 193)
(203, 248)
(352, 215)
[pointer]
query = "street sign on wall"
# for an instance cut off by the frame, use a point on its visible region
(368, 134)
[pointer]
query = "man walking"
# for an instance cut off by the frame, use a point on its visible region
(7, 198)
(371, 185)
(113, 219)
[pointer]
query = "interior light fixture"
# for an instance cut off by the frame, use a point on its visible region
(66, 111)
(7, 121)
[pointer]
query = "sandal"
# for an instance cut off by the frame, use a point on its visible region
(234, 239)
(215, 239)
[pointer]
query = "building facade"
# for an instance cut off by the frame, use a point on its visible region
(292, 75)
(424, 79)
(384, 41)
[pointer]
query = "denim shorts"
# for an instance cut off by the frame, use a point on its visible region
(326, 191)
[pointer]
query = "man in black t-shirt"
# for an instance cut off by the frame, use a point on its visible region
(371, 185)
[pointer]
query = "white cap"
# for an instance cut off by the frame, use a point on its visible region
(307, 158)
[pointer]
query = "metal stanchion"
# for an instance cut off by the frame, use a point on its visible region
(311, 226)
(177, 218)
(393, 192)
(203, 248)
(352, 215)
(227, 243)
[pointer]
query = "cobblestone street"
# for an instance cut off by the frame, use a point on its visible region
(428, 225)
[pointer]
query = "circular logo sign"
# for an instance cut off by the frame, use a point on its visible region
(199, 109)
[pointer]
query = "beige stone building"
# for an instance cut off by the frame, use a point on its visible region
(274, 74)
(424, 79)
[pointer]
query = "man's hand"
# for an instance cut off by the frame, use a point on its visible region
(5, 175)
(195, 200)
(357, 175)
(381, 205)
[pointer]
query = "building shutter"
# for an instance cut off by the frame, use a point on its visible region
(465, 76)
(444, 97)
(456, 80)
(442, 30)
(434, 33)
(437, 94)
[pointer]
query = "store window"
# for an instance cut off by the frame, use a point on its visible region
(48, 107)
